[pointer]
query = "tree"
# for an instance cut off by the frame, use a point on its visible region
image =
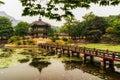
(1, 2)
(94, 27)
(73, 28)
(113, 31)
(67, 26)
(6, 29)
(53, 30)
(114, 22)
(22, 29)
(50, 8)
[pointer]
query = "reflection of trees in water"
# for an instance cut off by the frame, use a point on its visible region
(92, 69)
(70, 65)
(39, 64)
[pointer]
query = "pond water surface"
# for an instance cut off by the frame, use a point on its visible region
(56, 70)
(52, 68)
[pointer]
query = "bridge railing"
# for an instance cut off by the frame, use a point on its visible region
(90, 51)
(117, 55)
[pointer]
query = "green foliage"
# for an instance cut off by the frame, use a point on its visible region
(114, 30)
(23, 60)
(117, 30)
(65, 39)
(22, 29)
(1, 2)
(18, 42)
(93, 36)
(106, 38)
(54, 38)
(25, 42)
(6, 52)
(70, 41)
(72, 27)
(6, 29)
(110, 30)
(94, 27)
(30, 42)
(111, 38)
(51, 8)
(114, 22)
(53, 30)
(61, 42)
(14, 39)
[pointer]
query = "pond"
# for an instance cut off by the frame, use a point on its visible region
(53, 68)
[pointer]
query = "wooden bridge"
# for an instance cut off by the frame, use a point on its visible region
(105, 55)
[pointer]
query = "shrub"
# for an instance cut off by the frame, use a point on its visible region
(23, 60)
(93, 36)
(30, 42)
(65, 39)
(60, 42)
(5, 54)
(106, 38)
(14, 39)
(7, 50)
(25, 42)
(54, 38)
(49, 41)
(111, 38)
(70, 40)
(110, 30)
(18, 43)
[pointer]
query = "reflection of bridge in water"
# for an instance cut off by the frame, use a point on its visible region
(92, 69)
(105, 55)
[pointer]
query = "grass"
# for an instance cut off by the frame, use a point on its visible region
(110, 47)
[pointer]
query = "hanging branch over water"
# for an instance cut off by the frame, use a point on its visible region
(1, 2)
(58, 9)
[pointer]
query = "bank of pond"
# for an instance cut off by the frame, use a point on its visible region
(39, 64)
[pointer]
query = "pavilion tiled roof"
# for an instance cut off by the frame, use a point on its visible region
(39, 23)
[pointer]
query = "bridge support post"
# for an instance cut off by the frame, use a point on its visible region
(84, 58)
(111, 65)
(68, 53)
(62, 51)
(71, 53)
(57, 50)
(91, 59)
(78, 55)
(103, 64)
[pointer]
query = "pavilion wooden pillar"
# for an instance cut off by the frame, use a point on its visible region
(39, 29)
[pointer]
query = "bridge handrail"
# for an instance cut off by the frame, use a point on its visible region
(92, 51)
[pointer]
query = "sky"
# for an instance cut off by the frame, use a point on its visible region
(14, 9)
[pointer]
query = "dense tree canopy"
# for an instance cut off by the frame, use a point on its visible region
(56, 9)
(92, 27)
(73, 28)
(1, 2)
(6, 29)
(114, 25)
(95, 27)
(21, 29)
(53, 30)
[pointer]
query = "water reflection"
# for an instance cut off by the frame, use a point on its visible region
(39, 64)
(57, 71)
(54, 69)
(92, 69)
(20, 72)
